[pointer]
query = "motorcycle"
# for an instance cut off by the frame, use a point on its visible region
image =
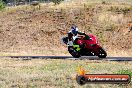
(86, 46)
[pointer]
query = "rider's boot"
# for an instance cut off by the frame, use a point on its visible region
(70, 46)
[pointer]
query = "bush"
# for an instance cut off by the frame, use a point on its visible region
(111, 27)
(120, 9)
(103, 2)
(2, 5)
(57, 1)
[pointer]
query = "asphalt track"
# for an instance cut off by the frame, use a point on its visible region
(70, 57)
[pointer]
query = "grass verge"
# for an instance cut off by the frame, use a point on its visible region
(55, 73)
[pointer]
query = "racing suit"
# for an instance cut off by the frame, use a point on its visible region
(72, 38)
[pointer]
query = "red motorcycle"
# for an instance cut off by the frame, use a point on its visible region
(85, 46)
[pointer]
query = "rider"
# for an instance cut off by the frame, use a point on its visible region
(72, 36)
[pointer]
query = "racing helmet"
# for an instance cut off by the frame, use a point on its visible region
(74, 29)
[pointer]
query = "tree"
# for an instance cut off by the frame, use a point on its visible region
(2, 5)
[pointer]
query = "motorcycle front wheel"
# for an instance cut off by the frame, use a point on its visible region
(102, 53)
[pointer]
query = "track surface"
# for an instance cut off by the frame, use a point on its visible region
(70, 57)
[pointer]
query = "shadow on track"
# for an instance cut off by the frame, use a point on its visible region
(70, 57)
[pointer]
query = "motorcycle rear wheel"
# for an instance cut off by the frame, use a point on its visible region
(75, 54)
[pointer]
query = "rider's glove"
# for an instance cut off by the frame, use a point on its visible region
(84, 34)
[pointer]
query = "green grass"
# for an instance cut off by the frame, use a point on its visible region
(125, 71)
(54, 73)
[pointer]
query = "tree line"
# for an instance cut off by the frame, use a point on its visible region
(27, 1)
(4, 3)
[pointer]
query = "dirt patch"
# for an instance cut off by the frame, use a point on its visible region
(38, 32)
